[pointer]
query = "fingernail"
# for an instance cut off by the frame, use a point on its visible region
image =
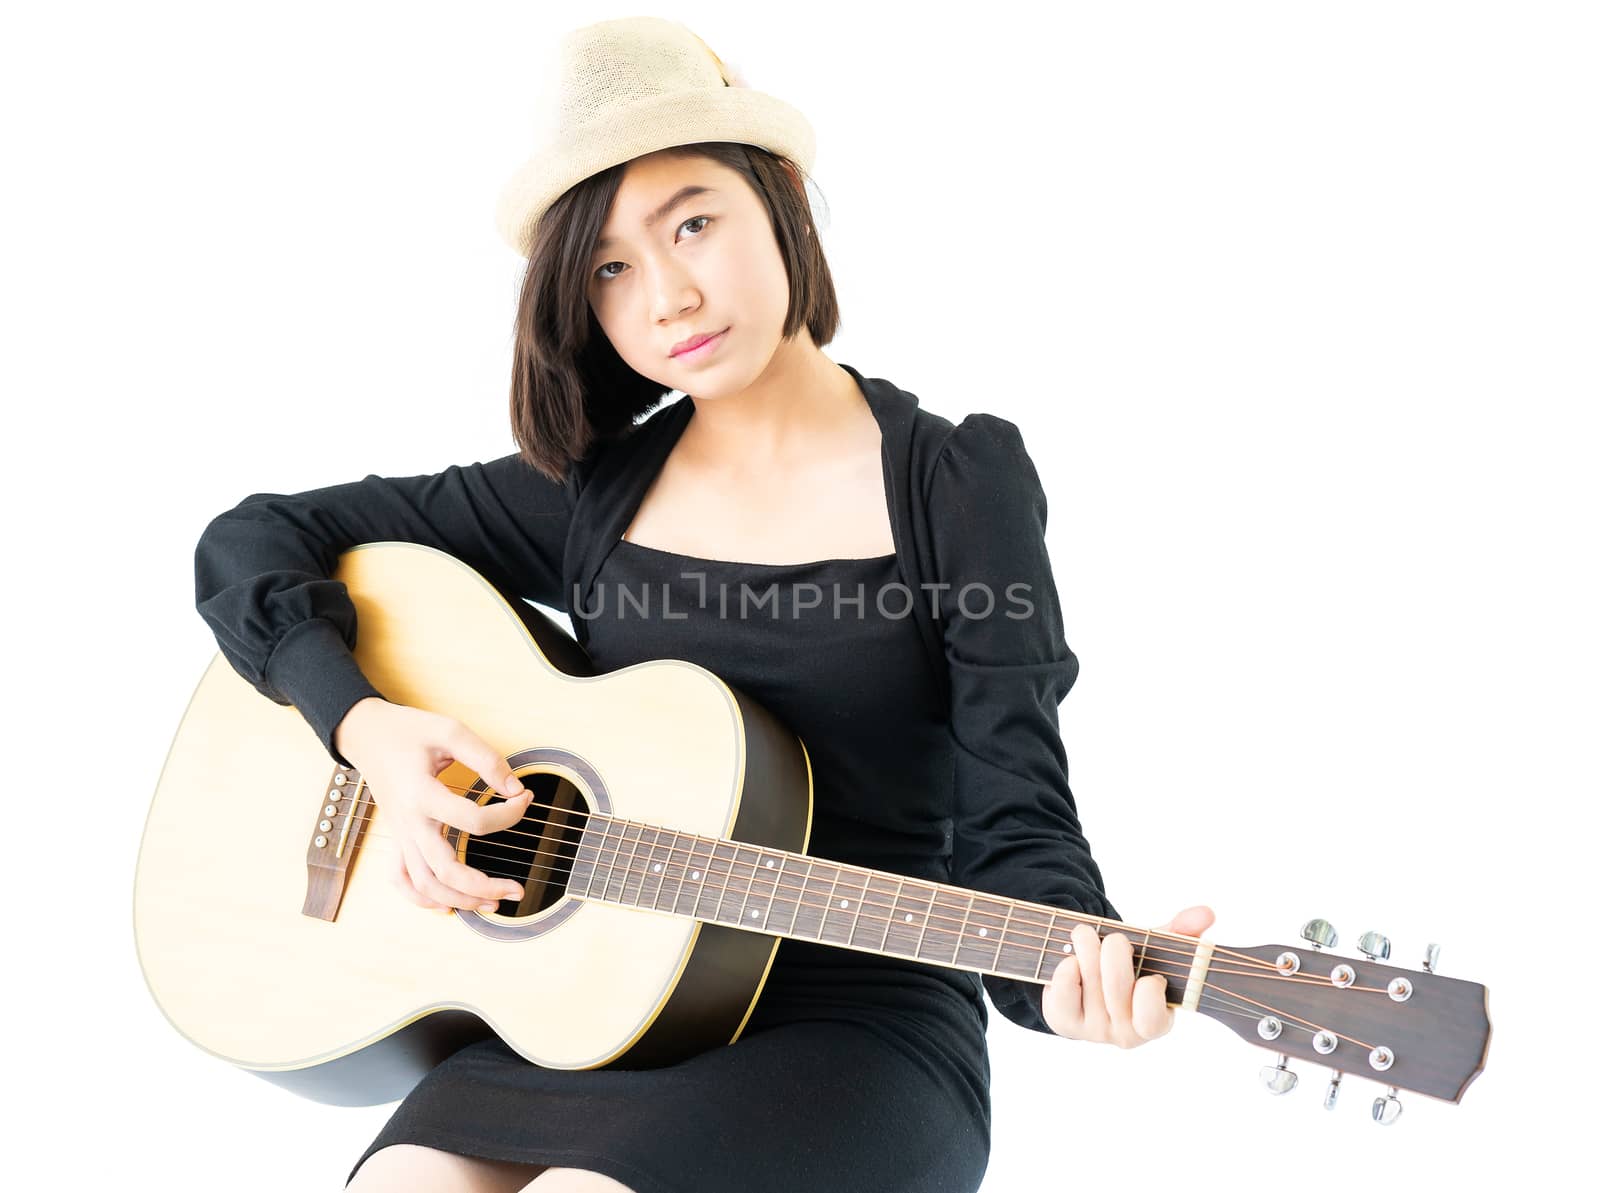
(487, 907)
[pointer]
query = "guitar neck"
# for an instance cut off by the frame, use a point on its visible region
(781, 893)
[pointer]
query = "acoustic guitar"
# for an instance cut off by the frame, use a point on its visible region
(663, 860)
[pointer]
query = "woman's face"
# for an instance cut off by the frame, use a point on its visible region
(709, 263)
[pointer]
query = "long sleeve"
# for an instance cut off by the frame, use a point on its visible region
(262, 568)
(1016, 830)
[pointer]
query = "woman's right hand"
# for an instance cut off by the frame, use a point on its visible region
(400, 751)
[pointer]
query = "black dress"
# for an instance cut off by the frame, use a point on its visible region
(855, 1071)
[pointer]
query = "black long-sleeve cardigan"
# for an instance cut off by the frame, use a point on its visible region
(967, 508)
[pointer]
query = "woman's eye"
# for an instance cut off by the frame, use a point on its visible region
(699, 219)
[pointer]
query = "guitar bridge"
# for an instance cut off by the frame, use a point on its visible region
(341, 817)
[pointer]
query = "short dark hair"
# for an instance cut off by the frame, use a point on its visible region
(570, 391)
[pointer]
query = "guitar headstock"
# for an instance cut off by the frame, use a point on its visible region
(1407, 1029)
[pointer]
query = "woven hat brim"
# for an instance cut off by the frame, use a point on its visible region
(680, 118)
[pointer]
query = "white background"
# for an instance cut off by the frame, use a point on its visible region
(1295, 305)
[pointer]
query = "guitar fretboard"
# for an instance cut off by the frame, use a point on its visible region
(789, 894)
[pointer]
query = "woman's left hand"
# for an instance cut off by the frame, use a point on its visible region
(1092, 994)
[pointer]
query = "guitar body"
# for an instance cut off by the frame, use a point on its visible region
(319, 974)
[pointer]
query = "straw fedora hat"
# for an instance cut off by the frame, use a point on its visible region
(627, 87)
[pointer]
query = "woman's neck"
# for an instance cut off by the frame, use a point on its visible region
(802, 405)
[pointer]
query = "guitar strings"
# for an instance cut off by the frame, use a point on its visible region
(1146, 960)
(1212, 995)
(1020, 934)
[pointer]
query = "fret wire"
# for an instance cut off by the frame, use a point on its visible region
(583, 844)
(666, 872)
(588, 892)
(856, 922)
(650, 864)
(766, 875)
(1011, 908)
(1044, 949)
(754, 878)
(827, 906)
(805, 885)
(634, 861)
(738, 916)
(888, 923)
(611, 865)
(859, 898)
(927, 914)
(894, 910)
(867, 903)
(705, 875)
(684, 883)
(716, 913)
(695, 886)
(745, 902)
(777, 880)
(577, 860)
(605, 891)
(644, 864)
(1054, 917)
(676, 906)
(627, 866)
(683, 876)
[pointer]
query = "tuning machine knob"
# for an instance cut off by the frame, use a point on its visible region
(1387, 1108)
(1430, 958)
(1279, 1078)
(1320, 933)
(1332, 1096)
(1375, 945)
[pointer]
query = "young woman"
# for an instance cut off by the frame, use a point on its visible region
(668, 208)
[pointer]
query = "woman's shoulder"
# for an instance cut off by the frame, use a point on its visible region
(975, 447)
(984, 484)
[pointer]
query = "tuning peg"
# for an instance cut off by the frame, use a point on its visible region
(1332, 1096)
(1278, 1078)
(1375, 945)
(1430, 958)
(1319, 933)
(1387, 1108)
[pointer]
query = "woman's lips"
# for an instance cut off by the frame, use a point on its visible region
(705, 348)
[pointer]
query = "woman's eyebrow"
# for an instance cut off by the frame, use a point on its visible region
(685, 192)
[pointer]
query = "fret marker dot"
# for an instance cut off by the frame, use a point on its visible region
(771, 863)
(908, 917)
(696, 874)
(983, 931)
(844, 903)
(754, 914)
(656, 867)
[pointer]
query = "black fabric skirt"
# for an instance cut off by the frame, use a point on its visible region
(854, 1072)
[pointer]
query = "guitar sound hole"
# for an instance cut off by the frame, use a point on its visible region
(538, 852)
